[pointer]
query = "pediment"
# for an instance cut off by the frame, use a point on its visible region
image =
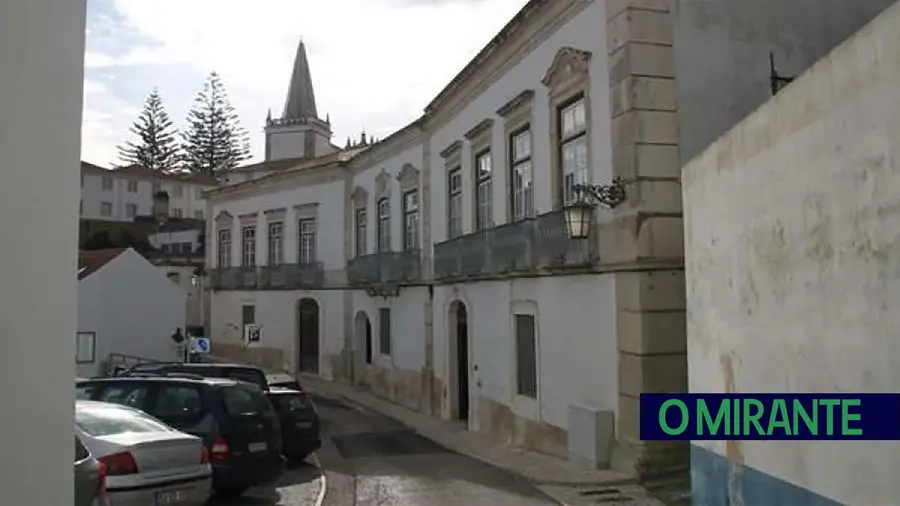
(224, 217)
(408, 174)
(569, 63)
(451, 150)
(359, 197)
(382, 183)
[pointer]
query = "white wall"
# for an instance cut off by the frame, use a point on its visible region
(93, 195)
(792, 247)
(192, 286)
(407, 328)
(41, 95)
(190, 202)
(584, 32)
(134, 309)
(176, 237)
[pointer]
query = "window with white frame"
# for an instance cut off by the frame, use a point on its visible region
(411, 220)
(573, 148)
(106, 209)
(130, 210)
(484, 200)
(223, 252)
(526, 355)
(361, 232)
(307, 241)
(276, 243)
(132, 186)
(454, 203)
(108, 183)
(85, 347)
(522, 190)
(384, 225)
(248, 246)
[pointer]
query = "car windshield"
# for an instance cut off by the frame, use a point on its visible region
(245, 401)
(107, 421)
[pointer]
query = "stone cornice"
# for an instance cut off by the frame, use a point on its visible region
(517, 102)
(478, 130)
(451, 150)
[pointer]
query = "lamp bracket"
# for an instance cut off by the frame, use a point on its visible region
(609, 195)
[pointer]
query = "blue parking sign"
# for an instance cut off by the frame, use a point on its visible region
(200, 345)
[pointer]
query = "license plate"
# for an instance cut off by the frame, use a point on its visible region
(171, 497)
(303, 425)
(256, 447)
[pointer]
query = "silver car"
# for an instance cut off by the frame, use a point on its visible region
(90, 478)
(146, 462)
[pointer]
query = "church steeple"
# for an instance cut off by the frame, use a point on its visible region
(301, 99)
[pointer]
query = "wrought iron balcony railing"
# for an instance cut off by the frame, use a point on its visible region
(385, 267)
(275, 277)
(527, 247)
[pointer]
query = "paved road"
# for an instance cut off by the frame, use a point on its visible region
(370, 460)
(298, 486)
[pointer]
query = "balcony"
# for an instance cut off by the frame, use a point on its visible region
(385, 267)
(535, 246)
(274, 277)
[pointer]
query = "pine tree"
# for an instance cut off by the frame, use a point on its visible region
(156, 146)
(214, 141)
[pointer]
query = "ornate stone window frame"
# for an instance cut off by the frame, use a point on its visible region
(517, 117)
(224, 221)
(308, 211)
(359, 200)
(408, 178)
(567, 80)
(480, 139)
(382, 185)
(452, 156)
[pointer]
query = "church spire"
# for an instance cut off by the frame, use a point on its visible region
(301, 99)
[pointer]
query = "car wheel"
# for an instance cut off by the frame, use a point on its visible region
(231, 491)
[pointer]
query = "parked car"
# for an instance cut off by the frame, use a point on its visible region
(247, 373)
(145, 460)
(90, 478)
(237, 423)
(299, 422)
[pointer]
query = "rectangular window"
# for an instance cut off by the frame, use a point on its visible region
(248, 246)
(107, 183)
(484, 200)
(307, 241)
(361, 232)
(276, 243)
(384, 225)
(177, 191)
(248, 314)
(454, 203)
(384, 330)
(198, 214)
(106, 209)
(526, 356)
(130, 210)
(223, 255)
(411, 220)
(177, 212)
(573, 152)
(132, 186)
(522, 190)
(85, 347)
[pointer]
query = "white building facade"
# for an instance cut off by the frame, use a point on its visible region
(122, 194)
(434, 266)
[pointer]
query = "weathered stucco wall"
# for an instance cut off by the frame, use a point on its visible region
(792, 225)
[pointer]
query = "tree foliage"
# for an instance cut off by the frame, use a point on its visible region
(156, 145)
(213, 140)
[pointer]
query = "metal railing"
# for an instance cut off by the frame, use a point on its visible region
(385, 267)
(275, 277)
(534, 245)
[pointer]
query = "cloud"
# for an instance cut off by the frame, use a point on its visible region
(375, 63)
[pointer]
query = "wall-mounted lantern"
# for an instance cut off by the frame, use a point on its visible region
(579, 215)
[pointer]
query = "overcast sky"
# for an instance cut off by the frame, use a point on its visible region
(375, 63)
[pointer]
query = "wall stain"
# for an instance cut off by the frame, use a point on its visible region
(820, 246)
(732, 448)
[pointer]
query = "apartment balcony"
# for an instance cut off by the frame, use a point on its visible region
(530, 247)
(276, 277)
(386, 267)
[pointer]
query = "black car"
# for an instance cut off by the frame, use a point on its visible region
(238, 424)
(283, 380)
(299, 422)
(240, 372)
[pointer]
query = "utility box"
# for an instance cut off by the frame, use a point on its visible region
(591, 436)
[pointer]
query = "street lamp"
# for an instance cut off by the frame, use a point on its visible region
(579, 214)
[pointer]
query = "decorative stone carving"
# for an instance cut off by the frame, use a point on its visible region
(516, 103)
(452, 149)
(478, 130)
(568, 64)
(248, 218)
(382, 184)
(408, 177)
(359, 197)
(224, 218)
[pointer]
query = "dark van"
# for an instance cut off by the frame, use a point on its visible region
(238, 424)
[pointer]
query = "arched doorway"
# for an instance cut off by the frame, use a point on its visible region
(458, 327)
(362, 347)
(308, 336)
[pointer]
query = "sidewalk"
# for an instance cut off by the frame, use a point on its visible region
(565, 483)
